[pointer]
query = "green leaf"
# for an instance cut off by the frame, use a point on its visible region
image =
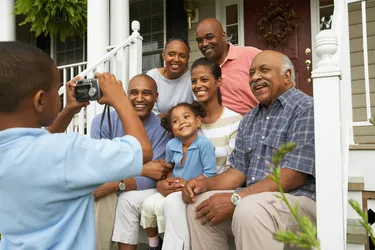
(372, 120)
(296, 208)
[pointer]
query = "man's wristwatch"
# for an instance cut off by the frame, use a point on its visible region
(121, 186)
(235, 199)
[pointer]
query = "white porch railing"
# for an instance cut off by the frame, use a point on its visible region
(124, 61)
(68, 72)
(328, 155)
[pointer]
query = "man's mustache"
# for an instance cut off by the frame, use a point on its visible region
(263, 82)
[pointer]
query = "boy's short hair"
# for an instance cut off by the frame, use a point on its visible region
(24, 69)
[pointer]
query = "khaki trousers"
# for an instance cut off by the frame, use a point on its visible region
(255, 220)
(105, 211)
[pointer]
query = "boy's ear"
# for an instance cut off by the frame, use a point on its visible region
(38, 101)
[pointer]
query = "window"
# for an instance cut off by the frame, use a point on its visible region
(325, 14)
(230, 13)
(73, 50)
(150, 13)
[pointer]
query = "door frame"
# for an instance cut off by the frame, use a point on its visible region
(219, 9)
(315, 28)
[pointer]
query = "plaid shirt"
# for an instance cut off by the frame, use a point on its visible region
(289, 118)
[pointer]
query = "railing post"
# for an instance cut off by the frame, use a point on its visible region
(340, 25)
(328, 158)
(135, 55)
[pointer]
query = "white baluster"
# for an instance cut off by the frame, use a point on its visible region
(328, 157)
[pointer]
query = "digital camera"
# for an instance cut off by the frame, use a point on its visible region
(88, 90)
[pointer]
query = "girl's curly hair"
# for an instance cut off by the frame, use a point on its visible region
(196, 107)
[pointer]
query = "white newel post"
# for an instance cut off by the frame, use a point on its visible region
(135, 57)
(329, 192)
(97, 42)
(7, 21)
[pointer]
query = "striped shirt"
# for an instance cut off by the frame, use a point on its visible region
(289, 118)
(222, 134)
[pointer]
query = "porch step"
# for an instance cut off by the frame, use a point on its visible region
(355, 233)
(362, 146)
(356, 183)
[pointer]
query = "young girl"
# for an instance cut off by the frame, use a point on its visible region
(193, 156)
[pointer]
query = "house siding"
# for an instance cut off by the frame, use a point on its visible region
(362, 134)
(206, 9)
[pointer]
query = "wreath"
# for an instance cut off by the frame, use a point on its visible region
(282, 15)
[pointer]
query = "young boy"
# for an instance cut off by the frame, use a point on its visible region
(47, 180)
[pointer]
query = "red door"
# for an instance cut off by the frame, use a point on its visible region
(299, 41)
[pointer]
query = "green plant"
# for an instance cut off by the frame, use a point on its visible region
(307, 237)
(364, 218)
(62, 18)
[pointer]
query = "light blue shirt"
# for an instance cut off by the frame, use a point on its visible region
(200, 158)
(46, 185)
(155, 132)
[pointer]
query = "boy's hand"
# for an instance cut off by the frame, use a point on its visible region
(113, 92)
(105, 189)
(71, 102)
(156, 169)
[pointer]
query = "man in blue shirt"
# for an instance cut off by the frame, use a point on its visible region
(253, 214)
(142, 94)
(47, 179)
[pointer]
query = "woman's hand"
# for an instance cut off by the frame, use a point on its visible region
(168, 186)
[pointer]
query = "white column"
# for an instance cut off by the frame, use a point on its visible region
(119, 21)
(97, 42)
(97, 30)
(7, 21)
(329, 172)
(119, 32)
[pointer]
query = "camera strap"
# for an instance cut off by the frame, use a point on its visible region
(106, 110)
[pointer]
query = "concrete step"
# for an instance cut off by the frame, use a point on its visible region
(356, 183)
(355, 233)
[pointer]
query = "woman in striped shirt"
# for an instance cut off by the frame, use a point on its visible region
(220, 126)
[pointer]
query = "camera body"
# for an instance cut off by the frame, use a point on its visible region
(88, 90)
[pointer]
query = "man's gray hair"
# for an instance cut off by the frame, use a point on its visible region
(286, 64)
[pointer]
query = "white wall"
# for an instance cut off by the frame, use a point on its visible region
(206, 10)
